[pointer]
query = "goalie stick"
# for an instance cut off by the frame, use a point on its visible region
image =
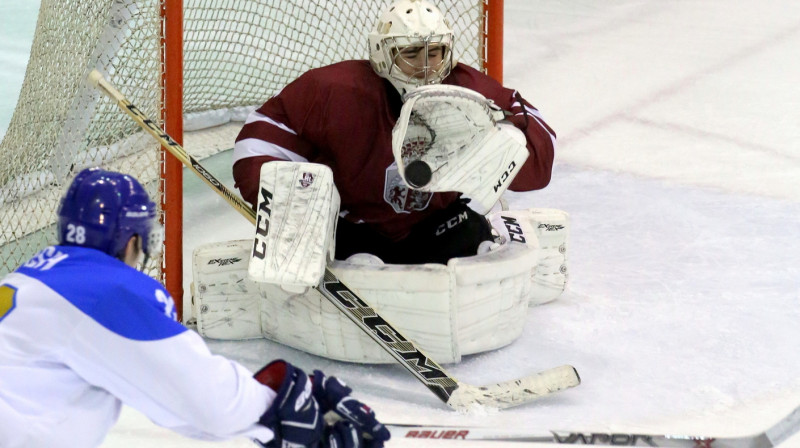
(774, 436)
(456, 394)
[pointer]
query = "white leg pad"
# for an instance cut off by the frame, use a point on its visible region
(224, 302)
(472, 305)
(552, 272)
(492, 294)
(416, 299)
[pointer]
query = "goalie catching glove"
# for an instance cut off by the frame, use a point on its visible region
(296, 416)
(450, 138)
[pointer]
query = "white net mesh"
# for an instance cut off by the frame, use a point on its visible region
(61, 125)
(237, 53)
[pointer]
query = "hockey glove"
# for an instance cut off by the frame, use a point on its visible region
(343, 434)
(295, 415)
(333, 395)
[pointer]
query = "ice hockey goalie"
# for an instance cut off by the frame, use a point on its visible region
(264, 287)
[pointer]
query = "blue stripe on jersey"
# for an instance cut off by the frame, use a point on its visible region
(118, 297)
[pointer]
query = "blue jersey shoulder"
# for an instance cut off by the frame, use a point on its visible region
(118, 297)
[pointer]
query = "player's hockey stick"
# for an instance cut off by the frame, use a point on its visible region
(456, 394)
(775, 435)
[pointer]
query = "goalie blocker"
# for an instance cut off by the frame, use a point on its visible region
(471, 305)
(298, 207)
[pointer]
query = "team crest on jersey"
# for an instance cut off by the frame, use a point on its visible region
(307, 180)
(399, 196)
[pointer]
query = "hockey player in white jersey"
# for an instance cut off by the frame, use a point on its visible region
(83, 332)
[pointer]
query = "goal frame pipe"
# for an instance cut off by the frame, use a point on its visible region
(171, 167)
(493, 38)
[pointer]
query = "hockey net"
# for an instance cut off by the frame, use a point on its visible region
(235, 53)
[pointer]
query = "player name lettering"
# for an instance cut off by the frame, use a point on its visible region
(46, 259)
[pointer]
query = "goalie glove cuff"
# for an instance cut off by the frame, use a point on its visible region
(514, 132)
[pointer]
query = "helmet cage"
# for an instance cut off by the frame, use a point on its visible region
(420, 75)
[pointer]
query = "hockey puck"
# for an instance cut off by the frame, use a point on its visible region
(418, 174)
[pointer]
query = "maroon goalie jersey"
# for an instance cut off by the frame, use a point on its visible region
(342, 116)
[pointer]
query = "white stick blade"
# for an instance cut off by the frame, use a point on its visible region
(515, 392)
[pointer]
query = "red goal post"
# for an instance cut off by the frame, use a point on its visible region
(203, 64)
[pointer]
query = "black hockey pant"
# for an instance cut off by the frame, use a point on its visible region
(453, 232)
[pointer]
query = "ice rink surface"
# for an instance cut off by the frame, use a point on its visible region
(679, 163)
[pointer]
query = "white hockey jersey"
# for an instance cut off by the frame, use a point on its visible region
(81, 333)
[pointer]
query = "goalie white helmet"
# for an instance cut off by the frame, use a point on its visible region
(411, 45)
